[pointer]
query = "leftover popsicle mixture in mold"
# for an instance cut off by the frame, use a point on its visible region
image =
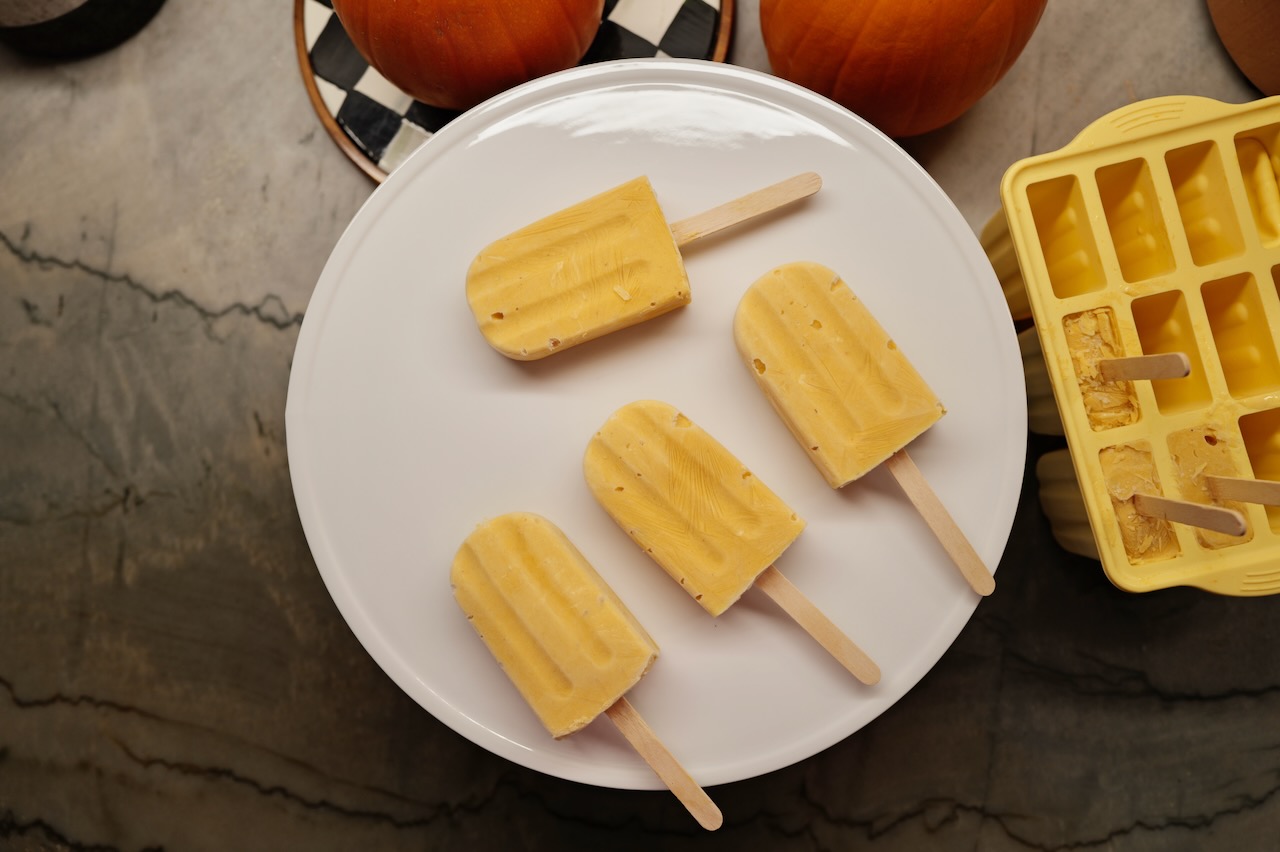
(1197, 453)
(1130, 470)
(1091, 337)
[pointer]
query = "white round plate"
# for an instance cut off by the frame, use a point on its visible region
(405, 429)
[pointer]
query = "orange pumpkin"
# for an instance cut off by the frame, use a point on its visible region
(456, 53)
(907, 66)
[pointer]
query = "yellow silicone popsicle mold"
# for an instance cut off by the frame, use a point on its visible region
(1156, 230)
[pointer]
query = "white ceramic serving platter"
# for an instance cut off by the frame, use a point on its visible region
(405, 429)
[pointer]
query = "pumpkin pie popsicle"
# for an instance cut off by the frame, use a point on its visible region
(845, 390)
(598, 266)
(566, 640)
(697, 511)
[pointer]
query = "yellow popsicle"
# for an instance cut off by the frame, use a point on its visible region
(839, 382)
(561, 634)
(566, 640)
(1130, 472)
(711, 524)
(845, 390)
(687, 502)
(598, 266)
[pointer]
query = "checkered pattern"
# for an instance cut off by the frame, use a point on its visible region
(387, 125)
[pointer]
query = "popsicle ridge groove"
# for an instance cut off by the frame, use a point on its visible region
(662, 508)
(570, 628)
(559, 279)
(708, 502)
(525, 645)
(544, 612)
(591, 269)
(687, 502)
(796, 324)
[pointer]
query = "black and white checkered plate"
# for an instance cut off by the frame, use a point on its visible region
(378, 126)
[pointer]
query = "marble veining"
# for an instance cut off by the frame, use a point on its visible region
(174, 675)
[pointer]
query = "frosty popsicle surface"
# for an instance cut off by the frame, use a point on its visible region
(593, 268)
(599, 266)
(687, 502)
(847, 393)
(704, 517)
(839, 382)
(568, 643)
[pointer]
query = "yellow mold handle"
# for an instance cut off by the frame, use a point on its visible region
(1150, 117)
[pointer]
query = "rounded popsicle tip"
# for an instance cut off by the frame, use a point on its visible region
(524, 586)
(710, 818)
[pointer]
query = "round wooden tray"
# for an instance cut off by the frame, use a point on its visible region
(378, 126)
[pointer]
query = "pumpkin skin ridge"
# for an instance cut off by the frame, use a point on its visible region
(536, 66)
(454, 54)
(1005, 44)
(805, 44)
(580, 46)
(849, 57)
(518, 54)
(907, 66)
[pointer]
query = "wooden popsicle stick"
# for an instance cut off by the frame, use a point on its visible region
(747, 207)
(1263, 491)
(940, 521)
(1163, 365)
(794, 603)
(1216, 518)
(664, 764)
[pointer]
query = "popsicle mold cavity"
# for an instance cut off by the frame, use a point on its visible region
(1260, 432)
(1204, 203)
(1129, 470)
(847, 393)
(1091, 336)
(593, 268)
(1197, 453)
(1258, 153)
(1066, 238)
(1242, 335)
(568, 643)
(1133, 217)
(1164, 324)
(687, 502)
